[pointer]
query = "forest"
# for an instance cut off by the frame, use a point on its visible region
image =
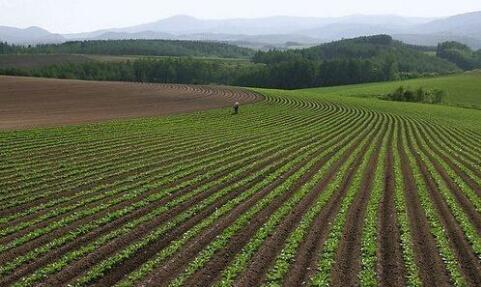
(460, 54)
(360, 60)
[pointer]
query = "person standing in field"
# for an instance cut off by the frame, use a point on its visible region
(236, 108)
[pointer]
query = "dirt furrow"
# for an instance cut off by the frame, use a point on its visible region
(112, 179)
(213, 268)
(255, 272)
(431, 267)
(463, 201)
(390, 264)
(195, 172)
(136, 214)
(306, 257)
(219, 227)
(469, 263)
(348, 259)
(194, 246)
(143, 255)
(9, 255)
(116, 245)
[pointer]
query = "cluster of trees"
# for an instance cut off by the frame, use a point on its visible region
(135, 47)
(460, 54)
(420, 95)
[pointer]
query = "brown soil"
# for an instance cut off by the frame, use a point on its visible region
(34, 102)
(201, 240)
(58, 252)
(119, 271)
(460, 151)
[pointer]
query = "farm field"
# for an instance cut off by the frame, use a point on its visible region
(318, 187)
(35, 102)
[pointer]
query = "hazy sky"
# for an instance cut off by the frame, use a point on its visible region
(65, 16)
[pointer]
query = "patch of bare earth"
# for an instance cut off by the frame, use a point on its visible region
(35, 102)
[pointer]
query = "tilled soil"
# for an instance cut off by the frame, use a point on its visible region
(35, 102)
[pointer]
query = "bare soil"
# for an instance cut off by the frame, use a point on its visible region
(35, 102)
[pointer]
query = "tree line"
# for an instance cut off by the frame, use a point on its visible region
(135, 47)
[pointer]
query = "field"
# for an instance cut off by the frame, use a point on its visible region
(303, 188)
(46, 102)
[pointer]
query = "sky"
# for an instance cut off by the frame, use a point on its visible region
(69, 16)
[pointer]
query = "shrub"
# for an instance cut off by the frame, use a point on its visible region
(420, 95)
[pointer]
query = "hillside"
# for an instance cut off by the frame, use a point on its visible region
(380, 49)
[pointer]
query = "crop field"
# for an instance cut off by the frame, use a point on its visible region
(303, 188)
(34, 102)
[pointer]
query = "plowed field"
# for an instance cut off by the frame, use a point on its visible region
(33, 102)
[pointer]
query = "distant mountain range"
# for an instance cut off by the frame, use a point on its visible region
(280, 32)
(32, 35)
